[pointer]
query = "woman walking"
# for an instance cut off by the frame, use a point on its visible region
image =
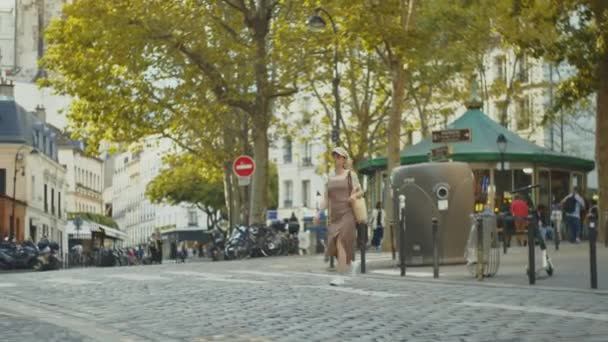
(341, 191)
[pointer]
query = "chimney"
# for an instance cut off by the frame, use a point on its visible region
(7, 88)
(41, 113)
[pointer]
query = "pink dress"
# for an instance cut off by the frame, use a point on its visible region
(342, 223)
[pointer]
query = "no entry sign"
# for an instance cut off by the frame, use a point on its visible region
(244, 166)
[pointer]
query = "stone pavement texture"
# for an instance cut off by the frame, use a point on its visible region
(280, 299)
(571, 264)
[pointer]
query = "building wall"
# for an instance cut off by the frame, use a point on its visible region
(25, 42)
(85, 180)
(131, 209)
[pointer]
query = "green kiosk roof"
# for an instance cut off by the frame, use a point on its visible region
(483, 147)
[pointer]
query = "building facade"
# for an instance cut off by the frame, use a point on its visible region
(85, 178)
(133, 212)
(32, 181)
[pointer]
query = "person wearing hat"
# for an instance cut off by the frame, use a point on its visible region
(338, 199)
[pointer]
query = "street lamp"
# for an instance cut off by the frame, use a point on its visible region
(501, 143)
(316, 23)
(18, 157)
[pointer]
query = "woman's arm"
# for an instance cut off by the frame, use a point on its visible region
(357, 190)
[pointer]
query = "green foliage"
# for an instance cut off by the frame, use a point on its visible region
(97, 218)
(187, 179)
(273, 186)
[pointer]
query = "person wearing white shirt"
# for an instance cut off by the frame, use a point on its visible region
(377, 221)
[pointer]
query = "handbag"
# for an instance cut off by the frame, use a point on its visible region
(359, 207)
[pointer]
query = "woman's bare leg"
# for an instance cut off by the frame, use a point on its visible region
(342, 262)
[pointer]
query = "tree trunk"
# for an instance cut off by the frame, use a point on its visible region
(394, 133)
(600, 8)
(260, 118)
(259, 186)
(228, 194)
(601, 144)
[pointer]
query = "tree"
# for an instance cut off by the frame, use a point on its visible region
(186, 180)
(573, 32)
(138, 68)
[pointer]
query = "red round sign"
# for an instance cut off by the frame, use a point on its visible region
(243, 166)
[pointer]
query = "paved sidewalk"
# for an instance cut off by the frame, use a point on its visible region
(571, 261)
(283, 299)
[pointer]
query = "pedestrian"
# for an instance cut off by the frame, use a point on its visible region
(377, 220)
(519, 210)
(339, 200)
(181, 252)
(573, 204)
(546, 231)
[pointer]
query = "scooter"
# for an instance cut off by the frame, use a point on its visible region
(541, 256)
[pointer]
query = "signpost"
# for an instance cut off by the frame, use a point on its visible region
(244, 167)
(451, 135)
(441, 153)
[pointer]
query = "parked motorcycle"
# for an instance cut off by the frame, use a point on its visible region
(218, 242)
(13, 256)
(49, 256)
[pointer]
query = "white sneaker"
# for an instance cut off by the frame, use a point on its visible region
(337, 281)
(355, 267)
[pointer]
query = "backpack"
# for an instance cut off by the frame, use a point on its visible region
(570, 204)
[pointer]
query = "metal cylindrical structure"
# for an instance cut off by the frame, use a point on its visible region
(441, 190)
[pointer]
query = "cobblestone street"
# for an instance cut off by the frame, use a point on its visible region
(277, 299)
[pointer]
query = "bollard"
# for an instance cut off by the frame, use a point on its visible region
(435, 248)
(402, 228)
(393, 251)
(402, 243)
(480, 260)
(331, 262)
(557, 234)
(363, 245)
(504, 234)
(531, 244)
(592, 250)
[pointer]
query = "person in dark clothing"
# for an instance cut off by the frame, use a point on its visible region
(377, 220)
(544, 224)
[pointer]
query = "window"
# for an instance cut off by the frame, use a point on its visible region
(288, 194)
(2, 181)
(524, 113)
(287, 151)
(53, 201)
(192, 217)
(44, 144)
(501, 114)
(59, 204)
(306, 193)
(33, 194)
(524, 70)
(46, 203)
(306, 154)
(500, 64)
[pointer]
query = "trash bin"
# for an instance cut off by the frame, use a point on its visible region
(440, 190)
(490, 248)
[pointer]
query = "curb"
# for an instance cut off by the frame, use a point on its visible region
(388, 264)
